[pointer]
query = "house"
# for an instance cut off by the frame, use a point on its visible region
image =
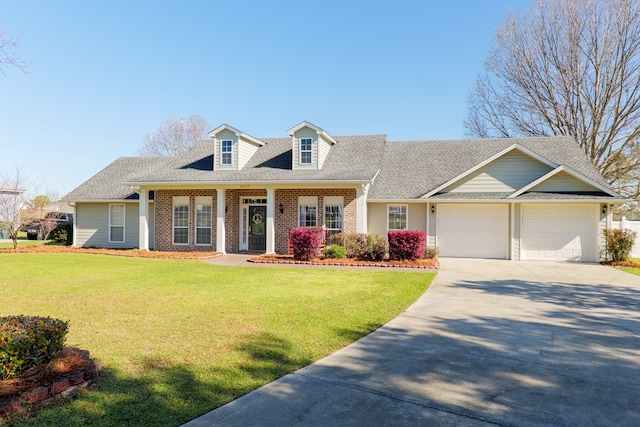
(519, 199)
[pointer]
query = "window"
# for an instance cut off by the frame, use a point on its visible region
(397, 217)
(307, 211)
(305, 150)
(116, 223)
(333, 217)
(203, 220)
(180, 220)
(226, 150)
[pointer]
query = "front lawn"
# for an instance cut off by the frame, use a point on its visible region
(632, 270)
(178, 338)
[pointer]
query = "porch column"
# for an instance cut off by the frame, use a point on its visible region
(220, 214)
(143, 229)
(361, 208)
(271, 230)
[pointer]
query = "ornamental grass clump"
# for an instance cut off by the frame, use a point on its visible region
(27, 342)
(619, 243)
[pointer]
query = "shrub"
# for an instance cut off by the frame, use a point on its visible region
(619, 243)
(335, 251)
(337, 239)
(355, 244)
(430, 252)
(375, 249)
(63, 233)
(29, 341)
(305, 242)
(406, 244)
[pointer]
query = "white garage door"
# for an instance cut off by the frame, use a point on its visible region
(560, 232)
(473, 231)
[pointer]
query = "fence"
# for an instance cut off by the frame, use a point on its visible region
(630, 225)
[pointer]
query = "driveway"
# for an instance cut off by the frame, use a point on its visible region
(490, 343)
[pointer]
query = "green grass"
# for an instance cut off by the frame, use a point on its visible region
(635, 271)
(179, 338)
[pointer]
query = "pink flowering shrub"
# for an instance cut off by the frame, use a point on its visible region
(406, 244)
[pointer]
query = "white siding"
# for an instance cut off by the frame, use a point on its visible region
(92, 225)
(377, 218)
(510, 172)
(305, 133)
(323, 151)
(515, 240)
(226, 135)
(246, 150)
(377, 221)
(562, 181)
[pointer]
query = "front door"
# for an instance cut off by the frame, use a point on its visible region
(257, 228)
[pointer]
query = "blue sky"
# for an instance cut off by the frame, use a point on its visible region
(104, 74)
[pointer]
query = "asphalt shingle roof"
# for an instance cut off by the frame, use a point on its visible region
(402, 170)
(412, 169)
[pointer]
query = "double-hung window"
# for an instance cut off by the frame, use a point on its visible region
(333, 216)
(226, 150)
(116, 223)
(397, 217)
(305, 151)
(181, 220)
(203, 220)
(307, 211)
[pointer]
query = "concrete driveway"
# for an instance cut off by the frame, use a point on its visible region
(490, 343)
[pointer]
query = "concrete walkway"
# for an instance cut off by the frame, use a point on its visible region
(490, 343)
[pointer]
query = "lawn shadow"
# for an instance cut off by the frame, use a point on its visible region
(548, 354)
(160, 393)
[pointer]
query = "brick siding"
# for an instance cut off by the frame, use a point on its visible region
(284, 222)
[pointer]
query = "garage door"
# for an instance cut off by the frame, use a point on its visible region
(473, 231)
(560, 232)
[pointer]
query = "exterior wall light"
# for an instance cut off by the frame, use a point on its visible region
(433, 209)
(281, 208)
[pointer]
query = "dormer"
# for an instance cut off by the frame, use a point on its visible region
(310, 146)
(232, 148)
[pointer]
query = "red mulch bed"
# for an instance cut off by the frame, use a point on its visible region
(431, 263)
(630, 264)
(117, 252)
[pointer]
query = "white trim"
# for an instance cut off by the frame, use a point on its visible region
(179, 201)
(143, 219)
(406, 206)
(307, 201)
(567, 169)
(220, 217)
(319, 131)
(124, 223)
(486, 162)
(222, 153)
(270, 242)
(238, 133)
(300, 151)
(204, 201)
(244, 224)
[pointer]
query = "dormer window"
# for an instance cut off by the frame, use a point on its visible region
(226, 147)
(305, 151)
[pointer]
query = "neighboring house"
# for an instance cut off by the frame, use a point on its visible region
(520, 199)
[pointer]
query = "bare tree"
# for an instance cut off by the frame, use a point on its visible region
(11, 203)
(567, 67)
(174, 136)
(9, 53)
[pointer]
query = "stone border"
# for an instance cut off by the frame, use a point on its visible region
(67, 386)
(258, 260)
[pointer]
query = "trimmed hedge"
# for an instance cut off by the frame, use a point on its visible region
(406, 244)
(619, 243)
(305, 242)
(29, 341)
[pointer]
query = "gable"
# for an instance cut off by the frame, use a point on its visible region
(507, 173)
(563, 182)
